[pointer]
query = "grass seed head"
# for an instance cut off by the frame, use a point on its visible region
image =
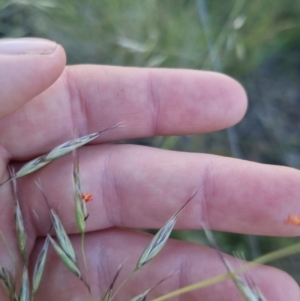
(21, 234)
(73, 144)
(62, 236)
(19, 221)
(32, 166)
(39, 267)
(7, 282)
(157, 243)
(69, 263)
(159, 240)
(70, 146)
(80, 217)
(249, 292)
(80, 204)
(57, 152)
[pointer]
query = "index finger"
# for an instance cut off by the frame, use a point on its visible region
(148, 101)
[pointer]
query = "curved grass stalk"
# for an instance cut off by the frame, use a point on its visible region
(260, 260)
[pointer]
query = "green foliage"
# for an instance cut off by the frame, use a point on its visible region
(249, 38)
(152, 32)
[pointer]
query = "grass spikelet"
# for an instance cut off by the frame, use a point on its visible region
(69, 263)
(30, 167)
(55, 153)
(157, 243)
(249, 291)
(8, 283)
(62, 236)
(284, 252)
(80, 200)
(21, 234)
(65, 248)
(161, 237)
(80, 203)
(108, 294)
(59, 229)
(71, 145)
(39, 267)
(20, 228)
(25, 290)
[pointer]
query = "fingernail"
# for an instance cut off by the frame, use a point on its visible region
(27, 46)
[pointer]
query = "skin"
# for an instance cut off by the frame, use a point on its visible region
(42, 103)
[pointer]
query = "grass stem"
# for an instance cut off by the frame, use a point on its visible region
(290, 250)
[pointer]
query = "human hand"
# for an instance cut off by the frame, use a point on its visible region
(42, 103)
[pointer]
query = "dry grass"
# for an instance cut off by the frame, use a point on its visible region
(66, 252)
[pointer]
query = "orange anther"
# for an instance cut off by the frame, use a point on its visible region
(87, 197)
(293, 220)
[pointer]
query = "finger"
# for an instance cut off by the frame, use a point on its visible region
(27, 68)
(148, 102)
(142, 187)
(189, 263)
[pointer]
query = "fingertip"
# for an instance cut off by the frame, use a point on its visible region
(196, 101)
(234, 99)
(27, 73)
(52, 67)
(240, 99)
(284, 287)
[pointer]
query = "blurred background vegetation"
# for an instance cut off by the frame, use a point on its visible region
(257, 42)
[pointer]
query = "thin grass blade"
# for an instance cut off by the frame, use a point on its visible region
(39, 267)
(161, 237)
(143, 296)
(108, 294)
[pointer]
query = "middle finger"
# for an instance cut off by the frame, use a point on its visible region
(142, 187)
